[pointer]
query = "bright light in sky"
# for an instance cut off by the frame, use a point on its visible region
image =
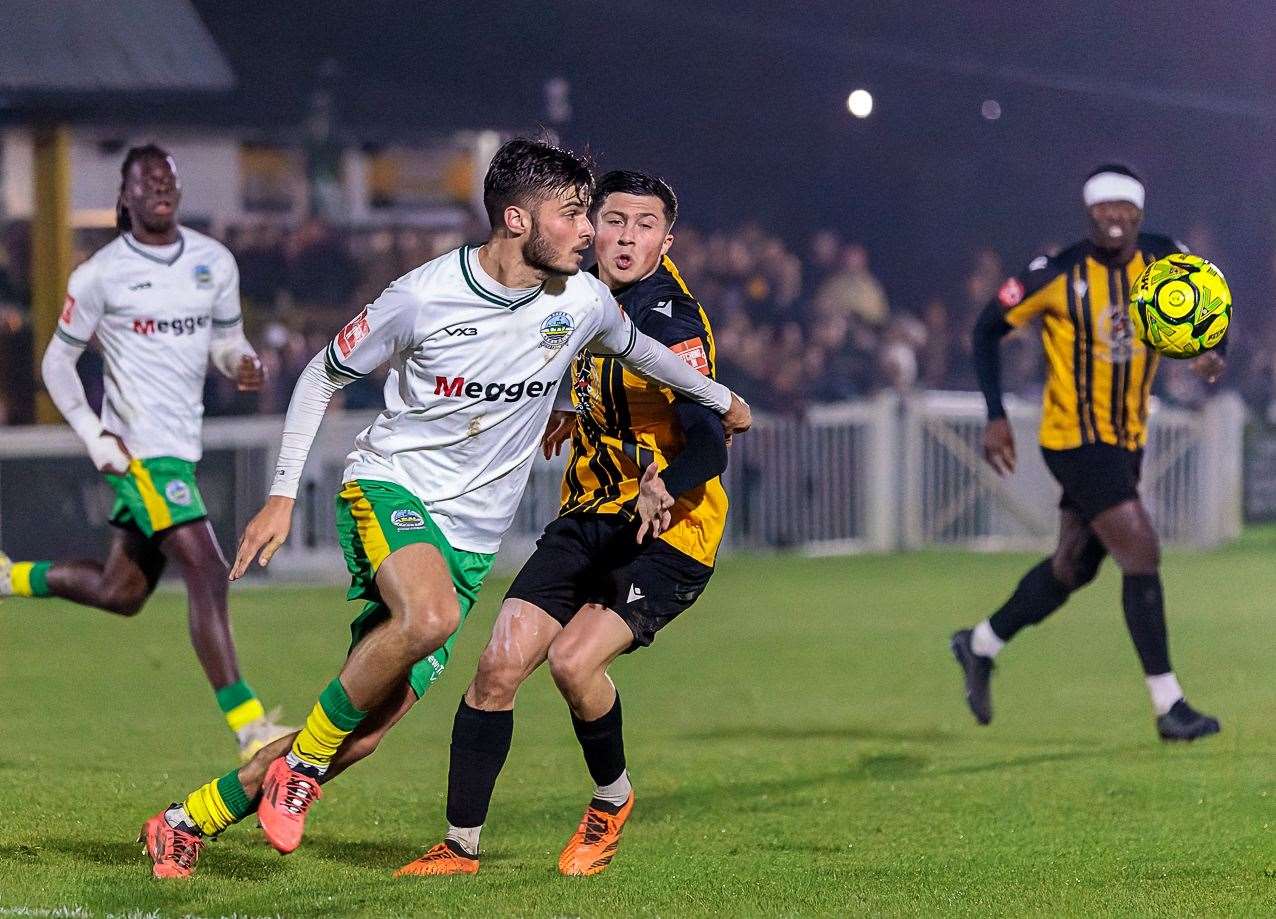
(860, 103)
(991, 109)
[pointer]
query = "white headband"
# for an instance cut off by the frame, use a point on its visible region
(1112, 186)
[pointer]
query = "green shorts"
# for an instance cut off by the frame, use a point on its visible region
(376, 518)
(156, 494)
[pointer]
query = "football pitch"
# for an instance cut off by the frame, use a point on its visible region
(797, 740)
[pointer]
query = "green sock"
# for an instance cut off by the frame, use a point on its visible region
(332, 719)
(30, 579)
(239, 704)
(217, 805)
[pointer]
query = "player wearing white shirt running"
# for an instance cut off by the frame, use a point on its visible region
(477, 341)
(162, 300)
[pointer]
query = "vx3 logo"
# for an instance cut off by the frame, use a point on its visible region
(459, 331)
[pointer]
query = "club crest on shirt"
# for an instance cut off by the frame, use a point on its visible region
(557, 329)
(203, 277)
(407, 519)
(178, 492)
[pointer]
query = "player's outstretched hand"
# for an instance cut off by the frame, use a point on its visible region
(654, 504)
(1209, 366)
(249, 375)
(265, 533)
(738, 419)
(999, 446)
(109, 454)
(559, 430)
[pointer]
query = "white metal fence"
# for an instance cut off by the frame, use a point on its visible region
(876, 475)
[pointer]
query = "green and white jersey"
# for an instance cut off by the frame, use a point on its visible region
(474, 367)
(153, 310)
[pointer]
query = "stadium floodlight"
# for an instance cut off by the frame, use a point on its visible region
(860, 103)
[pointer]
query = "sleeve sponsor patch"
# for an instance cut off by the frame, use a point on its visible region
(1011, 293)
(68, 310)
(356, 330)
(693, 353)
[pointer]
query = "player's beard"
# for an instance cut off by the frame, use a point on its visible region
(154, 225)
(540, 254)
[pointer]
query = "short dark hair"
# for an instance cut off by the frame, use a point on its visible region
(1118, 168)
(123, 222)
(526, 172)
(626, 182)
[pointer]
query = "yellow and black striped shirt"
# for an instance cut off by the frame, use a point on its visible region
(1099, 377)
(624, 422)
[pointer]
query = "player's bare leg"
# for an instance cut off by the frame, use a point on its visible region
(415, 584)
(120, 585)
(482, 732)
(578, 661)
(195, 550)
(416, 587)
(361, 743)
(1074, 564)
(1127, 533)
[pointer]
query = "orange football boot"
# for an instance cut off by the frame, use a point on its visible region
(444, 859)
(173, 851)
(594, 844)
(286, 795)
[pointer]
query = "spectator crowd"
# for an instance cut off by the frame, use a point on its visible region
(795, 325)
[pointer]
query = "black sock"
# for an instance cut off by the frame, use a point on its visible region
(1038, 595)
(480, 743)
(1144, 605)
(603, 743)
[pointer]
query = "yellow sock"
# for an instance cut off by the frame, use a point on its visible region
(217, 805)
(330, 722)
(240, 705)
(29, 579)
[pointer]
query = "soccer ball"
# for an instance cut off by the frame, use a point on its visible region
(1181, 305)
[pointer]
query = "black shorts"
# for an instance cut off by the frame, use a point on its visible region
(594, 558)
(1095, 477)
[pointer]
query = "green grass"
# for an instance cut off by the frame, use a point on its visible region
(797, 740)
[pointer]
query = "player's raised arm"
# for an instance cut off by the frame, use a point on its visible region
(385, 327)
(646, 356)
(79, 319)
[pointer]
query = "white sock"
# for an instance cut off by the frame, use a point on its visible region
(617, 792)
(1165, 691)
(984, 641)
(176, 816)
(467, 837)
(314, 770)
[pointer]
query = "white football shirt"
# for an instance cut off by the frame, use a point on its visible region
(474, 368)
(153, 310)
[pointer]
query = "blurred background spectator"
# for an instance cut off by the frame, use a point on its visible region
(791, 330)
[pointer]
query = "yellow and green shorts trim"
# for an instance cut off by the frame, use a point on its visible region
(29, 579)
(375, 519)
(156, 494)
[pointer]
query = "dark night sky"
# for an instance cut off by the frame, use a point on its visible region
(742, 106)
